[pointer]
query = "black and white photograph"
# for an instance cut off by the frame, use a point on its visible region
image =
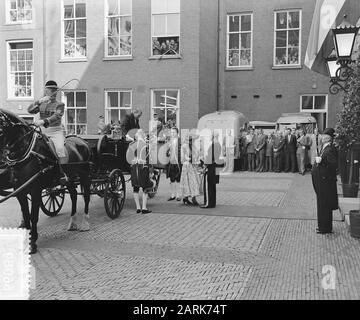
(193, 152)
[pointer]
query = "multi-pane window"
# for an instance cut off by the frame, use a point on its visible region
(19, 11)
(239, 40)
(166, 104)
(287, 38)
(118, 104)
(119, 28)
(21, 72)
(74, 29)
(76, 112)
(165, 27)
(313, 103)
(317, 106)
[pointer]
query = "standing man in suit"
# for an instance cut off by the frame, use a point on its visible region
(269, 156)
(302, 145)
(260, 148)
(279, 143)
(250, 150)
(324, 182)
(211, 178)
(130, 124)
(290, 151)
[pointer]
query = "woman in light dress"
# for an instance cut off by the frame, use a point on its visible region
(190, 179)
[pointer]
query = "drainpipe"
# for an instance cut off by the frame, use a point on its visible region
(218, 60)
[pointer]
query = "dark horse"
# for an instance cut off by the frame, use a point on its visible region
(28, 154)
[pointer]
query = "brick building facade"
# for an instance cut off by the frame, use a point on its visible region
(165, 56)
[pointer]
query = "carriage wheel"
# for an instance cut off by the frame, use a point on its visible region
(153, 192)
(115, 193)
(52, 201)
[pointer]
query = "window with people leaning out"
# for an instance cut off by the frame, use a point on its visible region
(165, 16)
(287, 38)
(239, 40)
(19, 11)
(21, 72)
(76, 112)
(119, 28)
(74, 29)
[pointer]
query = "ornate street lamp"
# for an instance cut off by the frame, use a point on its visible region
(339, 74)
(344, 39)
(338, 63)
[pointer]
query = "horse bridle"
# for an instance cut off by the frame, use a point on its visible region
(5, 122)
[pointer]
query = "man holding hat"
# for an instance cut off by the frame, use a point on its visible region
(324, 182)
(51, 113)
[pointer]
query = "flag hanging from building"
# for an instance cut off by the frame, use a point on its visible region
(328, 14)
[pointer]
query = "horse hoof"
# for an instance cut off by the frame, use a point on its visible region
(72, 225)
(85, 228)
(33, 248)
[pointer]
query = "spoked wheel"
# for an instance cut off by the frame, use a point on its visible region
(115, 193)
(52, 201)
(153, 192)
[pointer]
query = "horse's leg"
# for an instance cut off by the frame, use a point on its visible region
(73, 195)
(35, 206)
(85, 183)
(24, 204)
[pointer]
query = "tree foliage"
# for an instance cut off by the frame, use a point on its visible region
(348, 119)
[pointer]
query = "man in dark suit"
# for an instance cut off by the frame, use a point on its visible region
(279, 143)
(211, 178)
(324, 182)
(250, 150)
(290, 151)
(130, 124)
(260, 148)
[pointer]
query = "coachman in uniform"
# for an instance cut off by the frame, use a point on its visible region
(51, 113)
(324, 182)
(211, 178)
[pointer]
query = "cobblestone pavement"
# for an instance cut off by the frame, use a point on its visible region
(260, 243)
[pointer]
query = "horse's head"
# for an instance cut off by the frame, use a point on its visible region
(11, 128)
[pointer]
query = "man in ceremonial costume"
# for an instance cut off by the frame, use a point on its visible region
(324, 182)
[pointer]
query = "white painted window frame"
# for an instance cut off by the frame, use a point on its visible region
(119, 108)
(165, 35)
(63, 19)
(240, 14)
(76, 124)
(8, 8)
(106, 37)
(9, 87)
(287, 30)
(178, 108)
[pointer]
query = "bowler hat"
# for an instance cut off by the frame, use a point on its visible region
(51, 84)
(330, 132)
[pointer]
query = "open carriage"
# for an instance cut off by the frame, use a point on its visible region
(109, 172)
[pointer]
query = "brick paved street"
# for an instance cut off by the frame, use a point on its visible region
(260, 243)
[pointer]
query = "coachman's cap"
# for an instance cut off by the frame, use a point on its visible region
(330, 132)
(51, 84)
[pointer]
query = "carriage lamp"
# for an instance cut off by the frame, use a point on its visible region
(338, 63)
